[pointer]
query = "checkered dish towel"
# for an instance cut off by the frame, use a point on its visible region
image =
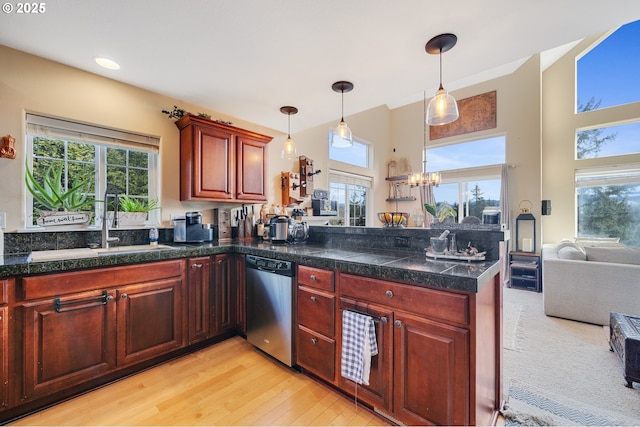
(358, 346)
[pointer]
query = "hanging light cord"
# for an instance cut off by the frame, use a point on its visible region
(342, 113)
(289, 125)
(441, 88)
(424, 133)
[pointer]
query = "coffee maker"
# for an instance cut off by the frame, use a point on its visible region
(190, 229)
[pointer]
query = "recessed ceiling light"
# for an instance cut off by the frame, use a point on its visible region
(107, 63)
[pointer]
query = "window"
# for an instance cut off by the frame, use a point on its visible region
(351, 193)
(608, 201)
(607, 74)
(608, 141)
(107, 156)
(357, 155)
(470, 175)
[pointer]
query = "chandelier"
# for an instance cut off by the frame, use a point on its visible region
(424, 178)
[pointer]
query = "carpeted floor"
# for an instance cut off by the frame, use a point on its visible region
(562, 358)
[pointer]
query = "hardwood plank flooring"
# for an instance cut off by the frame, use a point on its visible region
(230, 383)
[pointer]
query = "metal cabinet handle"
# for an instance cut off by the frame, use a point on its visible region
(64, 306)
(313, 299)
(313, 277)
(314, 340)
(198, 265)
(389, 294)
(109, 297)
(123, 296)
(397, 323)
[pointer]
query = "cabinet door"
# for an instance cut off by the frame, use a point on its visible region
(213, 163)
(241, 297)
(224, 294)
(379, 391)
(4, 357)
(199, 286)
(68, 341)
(431, 371)
(149, 320)
(251, 170)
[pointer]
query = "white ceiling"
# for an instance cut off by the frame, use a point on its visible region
(247, 58)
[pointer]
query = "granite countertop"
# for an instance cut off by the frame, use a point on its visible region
(404, 266)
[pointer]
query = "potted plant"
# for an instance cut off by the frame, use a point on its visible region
(134, 211)
(445, 212)
(58, 205)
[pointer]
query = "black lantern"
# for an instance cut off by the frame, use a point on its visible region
(525, 230)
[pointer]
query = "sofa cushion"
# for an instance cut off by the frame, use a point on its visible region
(572, 252)
(619, 255)
(563, 243)
(600, 242)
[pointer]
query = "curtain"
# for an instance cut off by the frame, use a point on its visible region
(426, 196)
(505, 247)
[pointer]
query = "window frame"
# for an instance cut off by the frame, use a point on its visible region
(351, 179)
(101, 138)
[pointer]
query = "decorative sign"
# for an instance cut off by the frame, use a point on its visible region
(52, 218)
(476, 113)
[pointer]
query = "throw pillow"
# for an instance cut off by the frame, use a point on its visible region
(564, 243)
(570, 252)
(620, 255)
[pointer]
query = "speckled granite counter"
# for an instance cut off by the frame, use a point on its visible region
(404, 266)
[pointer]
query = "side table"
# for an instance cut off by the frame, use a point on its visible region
(525, 271)
(624, 339)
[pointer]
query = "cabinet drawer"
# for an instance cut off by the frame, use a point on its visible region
(316, 353)
(316, 310)
(447, 306)
(316, 278)
(87, 280)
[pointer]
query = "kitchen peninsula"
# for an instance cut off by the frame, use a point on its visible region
(440, 359)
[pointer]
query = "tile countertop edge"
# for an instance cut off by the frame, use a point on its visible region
(398, 266)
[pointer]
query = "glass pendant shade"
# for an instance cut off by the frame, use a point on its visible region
(289, 149)
(341, 136)
(442, 109)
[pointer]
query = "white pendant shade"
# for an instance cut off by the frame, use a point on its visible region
(341, 136)
(442, 109)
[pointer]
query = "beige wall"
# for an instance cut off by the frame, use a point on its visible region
(558, 141)
(29, 83)
(518, 118)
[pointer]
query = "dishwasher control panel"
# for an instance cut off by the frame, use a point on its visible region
(271, 265)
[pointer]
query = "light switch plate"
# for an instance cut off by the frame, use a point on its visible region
(3, 220)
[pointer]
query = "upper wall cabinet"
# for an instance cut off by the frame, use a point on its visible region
(221, 162)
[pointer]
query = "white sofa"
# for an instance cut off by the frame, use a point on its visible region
(587, 283)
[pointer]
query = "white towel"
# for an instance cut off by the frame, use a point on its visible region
(358, 346)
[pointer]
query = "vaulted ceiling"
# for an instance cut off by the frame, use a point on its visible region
(247, 58)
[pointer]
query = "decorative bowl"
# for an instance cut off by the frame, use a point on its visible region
(393, 219)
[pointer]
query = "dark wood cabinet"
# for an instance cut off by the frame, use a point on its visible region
(421, 372)
(4, 342)
(67, 341)
(431, 371)
(198, 290)
(315, 314)
(73, 333)
(225, 294)
(149, 320)
(221, 162)
(241, 299)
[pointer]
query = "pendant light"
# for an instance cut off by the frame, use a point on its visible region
(289, 149)
(442, 108)
(424, 178)
(341, 137)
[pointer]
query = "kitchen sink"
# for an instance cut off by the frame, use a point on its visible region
(121, 250)
(75, 253)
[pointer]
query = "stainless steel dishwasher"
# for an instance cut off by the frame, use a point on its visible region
(270, 297)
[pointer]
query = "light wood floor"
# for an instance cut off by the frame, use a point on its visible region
(230, 383)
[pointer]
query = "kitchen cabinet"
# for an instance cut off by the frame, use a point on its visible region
(241, 300)
(421, 374)
(316, 332)
(82, 325)
(4, 342)
(221, 162)
(225, 294)
(199, 284)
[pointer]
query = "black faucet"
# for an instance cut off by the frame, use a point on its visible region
(106, 240)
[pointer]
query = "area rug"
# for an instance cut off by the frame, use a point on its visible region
(530, 406)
